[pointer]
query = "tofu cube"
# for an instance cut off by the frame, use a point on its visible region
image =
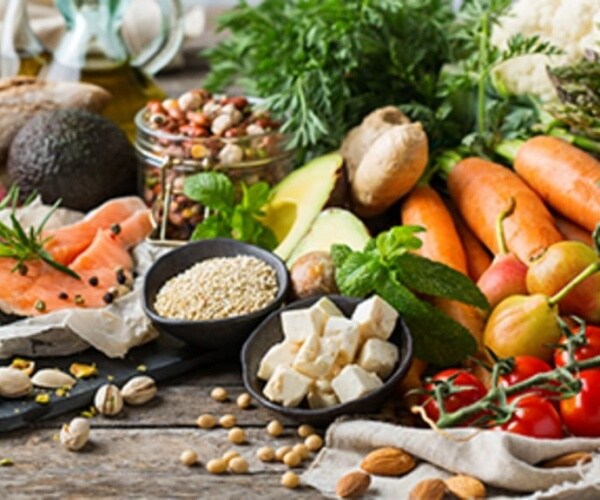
(323, 385)
(310, 361)
(299, 324)
(342, 339)
(283, 353)
(318, 399)
(354, 382)
(376, 318)
(287, 386)
(378, 356)
(328, 307)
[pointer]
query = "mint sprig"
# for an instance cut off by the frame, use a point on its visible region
(387, 267)
(240, 221)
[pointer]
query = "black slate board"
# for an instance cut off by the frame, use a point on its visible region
(163, 358)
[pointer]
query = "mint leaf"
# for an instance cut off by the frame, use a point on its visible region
(358, 274)
(255, 197)
(339, 254)
(246, 227)
(215, 226)
(398, 241)
(437, 338)
(211, 189)
(434, 278)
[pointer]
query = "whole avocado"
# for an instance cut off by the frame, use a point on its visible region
(73, 155)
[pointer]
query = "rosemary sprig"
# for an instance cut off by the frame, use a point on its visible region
(21, 245)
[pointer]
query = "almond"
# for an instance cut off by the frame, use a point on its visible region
(353, 484)
(428, 489)
(465, 487)
(388, 461)
(568, 460)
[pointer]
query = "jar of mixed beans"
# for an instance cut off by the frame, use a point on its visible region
(199, 132)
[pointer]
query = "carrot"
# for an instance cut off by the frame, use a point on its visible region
(572, 231)
(482, 189)
(564, 176)
(441, 243)
(478, 258)
(424, 207)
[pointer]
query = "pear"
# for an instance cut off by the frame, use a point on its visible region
(557, 266)
(528, 324)
(507, 274)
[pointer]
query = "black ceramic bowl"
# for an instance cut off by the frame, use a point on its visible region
(269, 332)
(222, 334)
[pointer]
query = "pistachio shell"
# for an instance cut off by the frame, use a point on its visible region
(75, 434)
(14, 383)
(25, 365)
(108, 400)
(52, 378)
(139, 390)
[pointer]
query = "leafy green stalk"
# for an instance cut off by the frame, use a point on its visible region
(16, 243)
(240, 221)
(387, 267)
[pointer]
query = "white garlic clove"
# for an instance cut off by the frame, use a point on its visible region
(108, 400)
(14, 383)
(75, 435)
(52, 378)
(139, 390)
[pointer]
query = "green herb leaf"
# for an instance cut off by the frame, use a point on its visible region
(437, 338)
(255, 197)
(215, 226)
(212, 189)
(434, 278)
(339, 254)
(397, 241)
(358, 274)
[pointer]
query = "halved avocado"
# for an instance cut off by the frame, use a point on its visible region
(334, 225)
(299, 198)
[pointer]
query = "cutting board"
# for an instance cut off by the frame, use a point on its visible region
(161, 359)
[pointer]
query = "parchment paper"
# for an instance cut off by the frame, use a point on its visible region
(112, 330)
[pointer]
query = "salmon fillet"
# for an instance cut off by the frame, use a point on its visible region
(69, 241)
(101, 265)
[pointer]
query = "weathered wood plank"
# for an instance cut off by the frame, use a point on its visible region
(142, 462)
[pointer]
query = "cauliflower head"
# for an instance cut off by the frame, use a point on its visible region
(571, 25)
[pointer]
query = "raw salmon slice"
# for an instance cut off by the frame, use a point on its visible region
(101, 265)
(69, 241)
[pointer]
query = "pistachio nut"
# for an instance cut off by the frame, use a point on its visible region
(74, 435)
(139, 390)
(52, 378)
(108, 400)
(25, 365)
(14, 383)
(81, 370)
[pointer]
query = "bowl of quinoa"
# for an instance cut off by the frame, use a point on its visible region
(213, 293)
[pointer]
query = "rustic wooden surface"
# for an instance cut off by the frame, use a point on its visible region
(137, 453)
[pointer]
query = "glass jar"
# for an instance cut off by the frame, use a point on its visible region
(165, 160)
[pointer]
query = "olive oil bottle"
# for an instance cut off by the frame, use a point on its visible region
(21, 51)
(93, 50)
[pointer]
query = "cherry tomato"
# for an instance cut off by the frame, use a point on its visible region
(474, 392)
(581, 413)
(534, 416)
(590, 350)
(526, 367)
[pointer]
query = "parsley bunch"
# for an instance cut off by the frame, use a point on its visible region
(387, 267)
(240, 221)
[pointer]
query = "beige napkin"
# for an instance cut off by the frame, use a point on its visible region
(505, 462)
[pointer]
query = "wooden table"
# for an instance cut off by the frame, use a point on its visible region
(137, 453)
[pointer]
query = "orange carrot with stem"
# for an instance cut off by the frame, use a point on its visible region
(441, 243)
(572, 231)
(564, 176)
(481, 189)
(478, 258)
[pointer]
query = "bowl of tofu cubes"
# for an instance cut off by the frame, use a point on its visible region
(323, 357)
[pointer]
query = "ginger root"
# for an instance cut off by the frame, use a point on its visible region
(385, 155)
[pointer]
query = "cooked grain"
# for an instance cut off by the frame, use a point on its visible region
(218, 288)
